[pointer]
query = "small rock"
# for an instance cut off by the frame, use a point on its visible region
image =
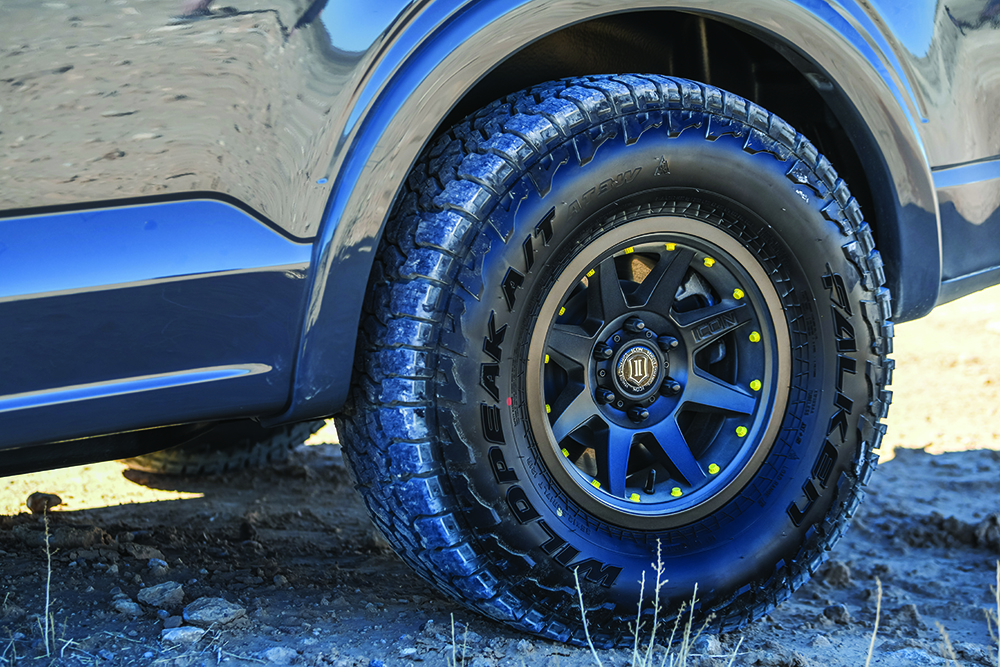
(524, 646)
(910, 657)
(280, 580)
(375, 662)
(157, 567)
(975, 653)
(127, 607)
(61, 537)
(204, 612)
(906, 619)
(279, 655)
(172, 622)
(775, 655)
(141, 551)
(838, 613)
(106, 654)
(166, 595)
(837, 574)
(182, 636)
(820, 641)
(987, 532)
(707, 645)
(407, 652)
(39, 502)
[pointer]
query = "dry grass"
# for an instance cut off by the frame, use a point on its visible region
(47, 623)
(453, 659)
(993, 618)
(878, 614)
(647, 657)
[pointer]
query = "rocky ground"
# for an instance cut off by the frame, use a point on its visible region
(284, 567)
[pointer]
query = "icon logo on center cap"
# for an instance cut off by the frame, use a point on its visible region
(637, 368)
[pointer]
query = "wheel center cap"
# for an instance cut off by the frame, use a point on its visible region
(637, 369)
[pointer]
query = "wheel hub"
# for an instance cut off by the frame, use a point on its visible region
(636, 371)
(653, 409)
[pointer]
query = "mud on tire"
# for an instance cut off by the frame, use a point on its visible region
(612, 317)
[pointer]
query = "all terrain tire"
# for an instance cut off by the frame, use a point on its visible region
(617, 321)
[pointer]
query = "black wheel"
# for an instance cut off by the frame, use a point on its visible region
(616, 319)
(228, 447)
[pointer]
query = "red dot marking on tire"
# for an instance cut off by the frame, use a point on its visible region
(509, 402)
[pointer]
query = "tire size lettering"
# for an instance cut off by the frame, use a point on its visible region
(602, 188)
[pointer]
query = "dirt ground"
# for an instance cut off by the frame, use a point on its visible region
(312, 583)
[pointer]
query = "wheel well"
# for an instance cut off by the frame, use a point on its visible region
(702, 48)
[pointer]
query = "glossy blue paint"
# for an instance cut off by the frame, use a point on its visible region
(137, 316)
(50, 253)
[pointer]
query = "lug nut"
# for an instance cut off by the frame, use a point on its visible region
(670, 387)
(603, 352)
(634, 325)
(638, 414)
(666, 343)
(604, 396)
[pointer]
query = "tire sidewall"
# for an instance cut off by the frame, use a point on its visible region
(534, 515)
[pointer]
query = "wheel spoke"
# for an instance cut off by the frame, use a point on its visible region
(605, 299)
(658, 289)
(675, 449)
(571, 345)
(713, 395)
(706, 325)
(578, 409)
(613, 461)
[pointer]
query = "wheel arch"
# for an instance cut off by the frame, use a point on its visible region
(434, 71)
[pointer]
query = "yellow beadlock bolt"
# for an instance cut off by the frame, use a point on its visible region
(713, 469)
(738, 293)
(548, 408)
(754, 337)
(562, 311)
(670, 246)
(709, 262)
(565, 453)
(635, 498)
(594, 483)
(676, 492)
(546, 358)
(591, 273)
(755, 385)
(629, 250)
(741, 431)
